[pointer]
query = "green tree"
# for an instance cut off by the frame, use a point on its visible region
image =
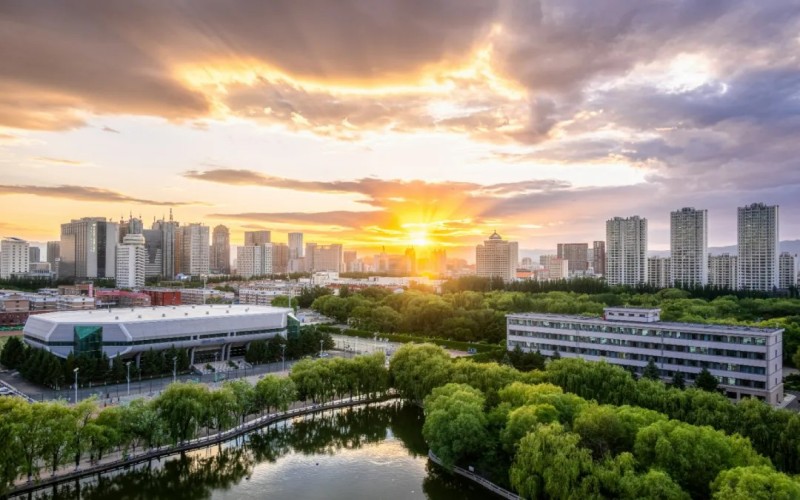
(524, 420)
(244, 398)
(550, 464)
(181, 406)
(142, 425)
(455, 424)
(754, 483)
(415, 370)
(13, 353)
(679, 380)
(651, 371)
(221, 408)
(12, 459)
(706, 381)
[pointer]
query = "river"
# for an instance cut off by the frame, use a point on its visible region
(366, 452)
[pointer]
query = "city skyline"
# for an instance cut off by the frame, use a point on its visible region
(400, 133)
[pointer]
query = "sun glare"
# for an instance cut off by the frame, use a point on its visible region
(419, 238)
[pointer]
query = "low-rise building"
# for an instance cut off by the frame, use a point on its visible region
(746, 361)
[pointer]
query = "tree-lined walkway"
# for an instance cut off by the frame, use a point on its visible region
(118, 460)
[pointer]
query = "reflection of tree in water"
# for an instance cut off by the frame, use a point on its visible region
(187, 477)
(439, 483)
(197, 475)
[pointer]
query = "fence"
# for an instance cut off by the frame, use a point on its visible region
(478, 479)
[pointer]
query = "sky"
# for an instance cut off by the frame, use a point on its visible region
(395, 123)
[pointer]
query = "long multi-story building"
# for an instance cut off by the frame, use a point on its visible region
(280, 258)
(88, 248)
(252, 238)
(14, 257)
(131, 259)
(170, 254)
(324, 258)
(34, 254)
(254, 260)
(192, 248)
(787, 274)
(723, 271)
(221, 250)
(54, 255)
(497, 258)
(154, 252)
(626, 247)
(659, 272)
(296, 246)
(758, 247)
(576, 254)
(746, 361)
(599, 258)
(689, 246)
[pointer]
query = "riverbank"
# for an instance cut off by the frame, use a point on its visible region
(111, 464)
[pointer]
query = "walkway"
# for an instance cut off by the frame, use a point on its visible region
(497, 490)
(114, 461)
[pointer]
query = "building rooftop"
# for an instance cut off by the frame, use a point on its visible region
(662, 325)
(136, 314)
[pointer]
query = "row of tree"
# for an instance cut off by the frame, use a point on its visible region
(527, 431)
(278, 347)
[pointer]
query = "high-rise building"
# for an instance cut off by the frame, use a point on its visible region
(296, 246)
(191, 244)
(439, 261)
(154, 252)
(350, 257)
(34, 254)
(659, 272)
(556, 268)
(496, 258)
(14, 257)
(626, 246)
(257, 238)
(54, 255)
(576, 254)
(689, 246)
(758, 247)
(221, 250)
(308, 259)
(280, 258)
(254, 260)
(411, 261)
(599, 258)
(170, 257)
(325, 257)
(131, 226)
(722, 271)
(131, 258)
(787, 275)
(88, 248)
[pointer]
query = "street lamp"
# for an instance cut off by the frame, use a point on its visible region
(76, 385)
(216, 355)
(174, 368)
(128, 364)
(283, 357)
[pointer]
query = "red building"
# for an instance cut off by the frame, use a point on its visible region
(164, 297)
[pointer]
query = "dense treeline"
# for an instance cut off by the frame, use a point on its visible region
(41, 437)
(308, 342)
(590, 430)
(474, 316)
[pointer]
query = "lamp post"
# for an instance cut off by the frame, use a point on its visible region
(283, 357)
(216, 355)
(76, 385)
(174, 368)
(128, 364)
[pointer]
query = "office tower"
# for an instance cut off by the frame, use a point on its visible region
(787, 276)
(221, 250)
(34, 254)
(280, 258)
(324, 257)
(350, 257)
(296, 246)
(599, 258)
(576, 254)
(308, 259)
(496, 258)
(556, 268)
(689, 246)
(131, 258)
(154, 252)
(191, 244)
(257, 238)
(411, 262)
(659, 273)
(170, 257)
(722, 271)
(131, 226)
(626, 247)
(88, 248)
(758, 247)
(14, 257)
(54, 255)
(254, 260)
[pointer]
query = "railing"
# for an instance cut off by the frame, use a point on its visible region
(476, 478)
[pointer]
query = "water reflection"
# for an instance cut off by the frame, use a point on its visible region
(323, 455)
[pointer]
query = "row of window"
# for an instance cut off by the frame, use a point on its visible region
(159, 340)
(694, 363)
(710, 351)
(548, 349)
(643, 332)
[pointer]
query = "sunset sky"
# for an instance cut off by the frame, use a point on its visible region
(376, 122)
